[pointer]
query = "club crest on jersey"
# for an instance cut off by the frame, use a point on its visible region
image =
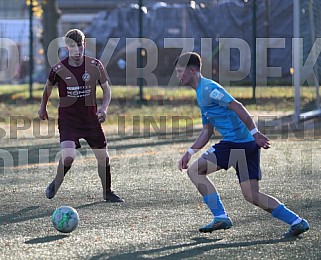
(85, 76)
(216, 94)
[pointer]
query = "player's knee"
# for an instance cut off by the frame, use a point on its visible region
(190, 173)
(196, 169)
(103, 161)
(102, 156)
(251, 197)
(106, 159)
(193, 173)
(248, 197)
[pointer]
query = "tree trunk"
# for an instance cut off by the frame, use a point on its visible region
(50, 18)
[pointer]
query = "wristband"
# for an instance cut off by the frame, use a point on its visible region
(254, 131)
(190, 151)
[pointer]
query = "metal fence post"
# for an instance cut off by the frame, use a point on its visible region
(140, 58)
(254, 51)
(30, 49)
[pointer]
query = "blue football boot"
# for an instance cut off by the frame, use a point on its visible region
(298, 229)
(216, 224)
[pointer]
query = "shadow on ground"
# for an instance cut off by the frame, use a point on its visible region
(42, 240)
(192, 249)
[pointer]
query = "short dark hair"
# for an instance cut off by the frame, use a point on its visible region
(74, 36)
(189, 59)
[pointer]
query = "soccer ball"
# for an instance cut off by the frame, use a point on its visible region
(65, 219)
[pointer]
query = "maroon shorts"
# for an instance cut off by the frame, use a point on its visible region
(94, 135)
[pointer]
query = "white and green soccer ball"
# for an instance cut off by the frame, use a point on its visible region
(65, 219)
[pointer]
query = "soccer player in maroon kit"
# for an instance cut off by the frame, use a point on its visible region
(78, 116)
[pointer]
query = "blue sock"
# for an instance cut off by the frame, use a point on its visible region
(283, 213)
(214, 203)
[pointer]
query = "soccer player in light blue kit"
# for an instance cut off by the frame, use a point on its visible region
(239, 148)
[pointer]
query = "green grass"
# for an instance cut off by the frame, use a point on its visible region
(162, 212)
(170, 93)
(159, 102)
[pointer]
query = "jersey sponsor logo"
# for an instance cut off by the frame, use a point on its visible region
(216, 94)
(85, 76)
(78, 91)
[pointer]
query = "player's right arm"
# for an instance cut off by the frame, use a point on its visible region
(200, 142)
(42, 112)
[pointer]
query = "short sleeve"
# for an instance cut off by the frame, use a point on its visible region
(220, 96)
(52, 77)
(205, 120)
(102, 73)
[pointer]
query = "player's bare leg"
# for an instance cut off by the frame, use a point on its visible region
(105, 175)
(68, 149)
(251, 193)
(197, 172)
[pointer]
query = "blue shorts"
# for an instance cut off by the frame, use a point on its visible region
(243, 157)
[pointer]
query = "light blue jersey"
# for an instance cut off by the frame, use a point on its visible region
(213, 99)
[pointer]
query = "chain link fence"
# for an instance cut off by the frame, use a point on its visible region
(222, 31)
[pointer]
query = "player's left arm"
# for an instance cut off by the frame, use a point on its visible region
(102, 110)
(246, 118)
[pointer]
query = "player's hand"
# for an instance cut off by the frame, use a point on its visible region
(43, 114)
(182, 163)
(101, 113)
(262, 140)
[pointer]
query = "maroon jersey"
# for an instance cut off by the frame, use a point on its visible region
(77, 89)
